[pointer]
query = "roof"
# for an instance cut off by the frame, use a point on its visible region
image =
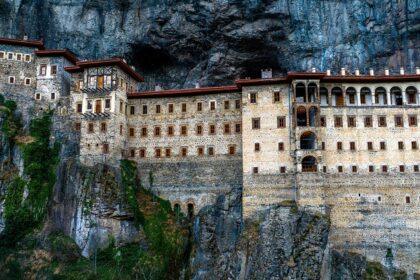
(370, 79)
(39, 44)
(80, 65)
(65, 53)
(184, 92)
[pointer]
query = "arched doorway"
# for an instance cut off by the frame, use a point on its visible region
(309, 164)
(301, 116)
(308, 141)
(380, 96)
(396, 96)
(312, 92)
(411, 95)
(338, 99)
(300, 93)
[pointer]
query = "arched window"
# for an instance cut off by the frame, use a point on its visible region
(309, 164)
(190, 210)
(365, 96)
(52, 95)
(380, 96)
(337, 95)
(301, 116)
(323, 92)
(411, 95)
(300, 93)
(312, 92)
(307, 141)
(351, 95)
(396, 96)
(313, 116)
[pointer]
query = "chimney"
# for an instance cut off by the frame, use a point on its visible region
(266, 73)
(371, 72)
(343, 71)
(313, 70)
(357, 72)
(25, 36)
(417, 70)
(386, 72)
(328, 72)
(158, 88)
(197, 85)
(402, 72)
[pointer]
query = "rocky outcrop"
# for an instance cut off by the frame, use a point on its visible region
(179, 43)
(283, 242)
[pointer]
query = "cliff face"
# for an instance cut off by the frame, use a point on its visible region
(177, 43)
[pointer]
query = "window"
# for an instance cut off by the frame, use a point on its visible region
(354, 169)
(132, 153)
(103, 127)
(142, 153)
(371, 168)
(170, 130)
(281, 146)
(11, 80)
(132, 110)
(414, 145)
(340, 169)
(256, 123)
(168, 152)
(232, 150)
(402, 168)
(131, 132)
(199, 130)
(283, 169)
(121, 129)
(416, 168)
(170, 108)
(89, 105)
(53, 69)
(199, 106)
(227, 128)
(323, 121)
(38, 96)
(255, 170)
(184, 151)
(212, 129)
(400, 145)
(323, 146)
(257, 147)
(379, 198)
(210, 151)
(200, 151)
(339, 146)
(227, 105)
(369, 146)
(105, 148)
(381, 121)
(27, 81)
(19, 57)
(237, 104)
(79, 107)
(352, 99)
(253, 98)
(43, 70)
(2, 55)
(158, 109)
(107, 103)
(338, 121)
(382, 145)
(363, 99)
(9, 56)
(384, 168)
(52, 95)
(412, 120)
(158, 152)
(144, 109)
(412, 99)
(27, 58)
(212, 105)
(368, 121)
(78, 126)
(281, 122)
(184, 107)
(183, 130)
(351, 121)
(276, 96)
(399, 121)
(90, 127)
(407, 199)
(237, 128)
(352, 146)
(143, 132)
(324, 169)
(157, 131)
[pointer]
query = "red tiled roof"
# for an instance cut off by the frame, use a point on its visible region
(26, 43)
(65, 53)
(80, 65)
(184, 92)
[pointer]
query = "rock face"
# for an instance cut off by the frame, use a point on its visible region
(283, 243)
(178, 43)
